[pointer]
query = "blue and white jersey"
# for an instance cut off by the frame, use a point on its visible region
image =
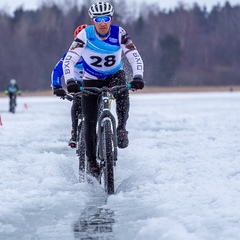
(12, 88)
(101, 57)
(57, 72)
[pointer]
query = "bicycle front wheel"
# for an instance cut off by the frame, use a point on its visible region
(108, 168)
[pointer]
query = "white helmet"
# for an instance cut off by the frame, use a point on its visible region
(13, 81)
(100, 9)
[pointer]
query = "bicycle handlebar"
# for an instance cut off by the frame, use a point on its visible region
(70, 96)
(96, 90)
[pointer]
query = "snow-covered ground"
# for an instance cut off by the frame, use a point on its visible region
(179, 179)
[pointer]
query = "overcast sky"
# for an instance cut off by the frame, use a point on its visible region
(34, 4)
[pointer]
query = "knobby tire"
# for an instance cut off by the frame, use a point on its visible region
(108, 169)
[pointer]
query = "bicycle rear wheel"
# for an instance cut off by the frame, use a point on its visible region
(108, 168)
(80, 150)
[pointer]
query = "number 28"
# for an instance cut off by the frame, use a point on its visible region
(108, 61)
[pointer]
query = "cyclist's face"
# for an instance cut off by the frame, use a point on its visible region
(102, 27)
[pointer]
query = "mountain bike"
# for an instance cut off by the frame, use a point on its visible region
(106, 134)
(80, 138)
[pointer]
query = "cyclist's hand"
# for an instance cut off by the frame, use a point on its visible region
(137, 83)
(73, 86)
(6, 92)
(19, 92)
(58, 91)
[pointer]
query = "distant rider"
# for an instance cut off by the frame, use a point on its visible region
(56, 85)
(12, 91)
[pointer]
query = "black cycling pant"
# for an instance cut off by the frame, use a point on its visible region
(90, 109)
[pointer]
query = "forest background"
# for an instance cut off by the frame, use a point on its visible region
(179, 47)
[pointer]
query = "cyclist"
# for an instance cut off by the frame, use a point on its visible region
(100, 46)
(12, 91)
(56, 85)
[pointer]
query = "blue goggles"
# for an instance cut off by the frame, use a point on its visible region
(105, 19)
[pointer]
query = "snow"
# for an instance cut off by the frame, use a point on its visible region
(179, 179)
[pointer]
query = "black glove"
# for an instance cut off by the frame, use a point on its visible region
(58, 91)
(73, 86)
(137, 83)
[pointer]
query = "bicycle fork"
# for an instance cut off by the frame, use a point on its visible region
(107, 116)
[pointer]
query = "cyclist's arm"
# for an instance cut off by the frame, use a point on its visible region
(8, 87)
(73, 55)
(57, 73)
(79, 71)
(131, 53)
(7, 90)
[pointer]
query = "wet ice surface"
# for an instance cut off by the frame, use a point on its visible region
(178, 179)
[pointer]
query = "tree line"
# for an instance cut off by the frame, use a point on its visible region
(179, 47)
